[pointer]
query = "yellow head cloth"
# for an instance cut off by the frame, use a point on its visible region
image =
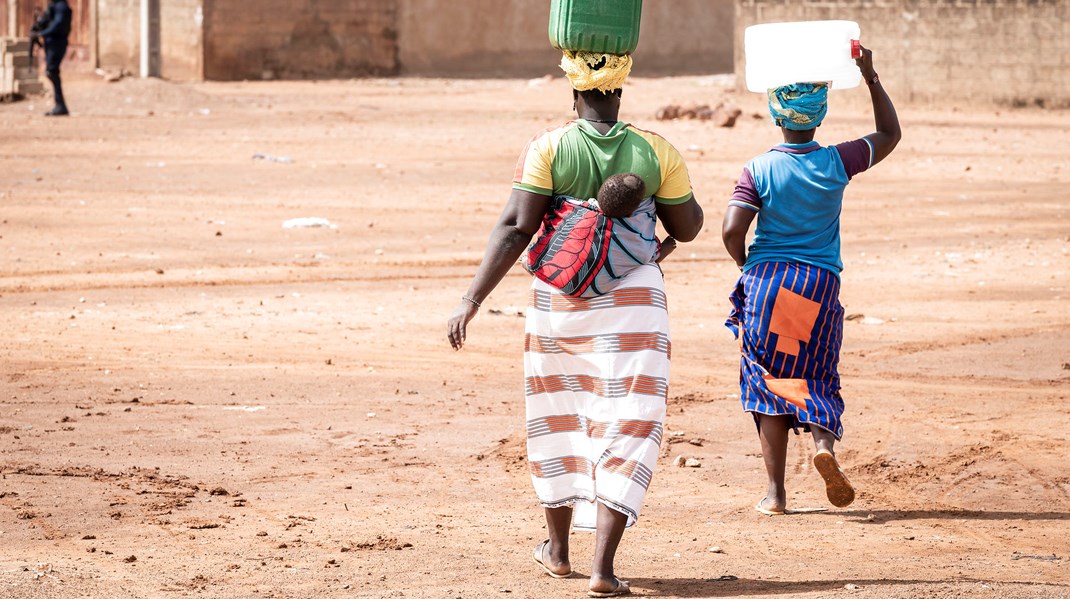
(584, 72)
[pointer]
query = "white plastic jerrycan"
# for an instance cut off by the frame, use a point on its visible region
(802, 52)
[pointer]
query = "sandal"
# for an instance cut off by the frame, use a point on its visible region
(620, 590)
(837, 487)
(537, 558)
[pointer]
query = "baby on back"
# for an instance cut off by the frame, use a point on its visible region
(586, 247)
(620, 196)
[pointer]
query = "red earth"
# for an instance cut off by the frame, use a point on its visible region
(197, 401)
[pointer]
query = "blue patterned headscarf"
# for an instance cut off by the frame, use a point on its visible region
(799, 106)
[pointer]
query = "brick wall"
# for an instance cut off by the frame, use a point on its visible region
(1004, 51)
(509, 38)
(298, 39)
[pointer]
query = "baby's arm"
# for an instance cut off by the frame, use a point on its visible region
(667, 246)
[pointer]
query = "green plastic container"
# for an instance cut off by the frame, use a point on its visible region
(604, 26)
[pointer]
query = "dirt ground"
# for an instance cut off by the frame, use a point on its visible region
(197, 401)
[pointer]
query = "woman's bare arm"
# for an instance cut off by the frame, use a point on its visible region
(682, 221)
(734, 229)
(888, 132)
(519, 221)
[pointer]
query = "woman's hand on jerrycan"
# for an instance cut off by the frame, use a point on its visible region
(865, 64)
(458, 323)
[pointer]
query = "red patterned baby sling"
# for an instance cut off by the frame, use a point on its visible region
(571, 247)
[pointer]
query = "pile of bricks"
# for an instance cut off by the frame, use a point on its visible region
(18, 73)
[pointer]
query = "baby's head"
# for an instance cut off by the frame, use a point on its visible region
(621, 194)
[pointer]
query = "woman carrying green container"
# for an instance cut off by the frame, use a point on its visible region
(596, 369)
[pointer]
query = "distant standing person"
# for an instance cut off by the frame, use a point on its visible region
(787, 312)
(55, 30)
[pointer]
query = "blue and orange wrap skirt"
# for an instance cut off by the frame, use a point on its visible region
(789, 323)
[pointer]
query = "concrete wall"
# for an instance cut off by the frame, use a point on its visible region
(118, 31)
(299, 39)
(479, 38)
(181, 45)
(1005, 51)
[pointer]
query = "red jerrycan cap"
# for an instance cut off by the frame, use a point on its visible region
(856, 49)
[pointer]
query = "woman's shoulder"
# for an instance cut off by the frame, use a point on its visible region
(662, 147)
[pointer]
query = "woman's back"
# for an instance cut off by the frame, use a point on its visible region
(797, 190)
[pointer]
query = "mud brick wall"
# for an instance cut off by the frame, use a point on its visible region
(299, 39)
(479, 38)
(1013, 52)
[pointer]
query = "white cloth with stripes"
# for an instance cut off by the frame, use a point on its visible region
(596, 373)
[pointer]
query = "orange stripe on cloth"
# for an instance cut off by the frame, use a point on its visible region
(564, 424)
(620, 466)
(563, 465)
(619, 298)
(612, 343)
(556, 383)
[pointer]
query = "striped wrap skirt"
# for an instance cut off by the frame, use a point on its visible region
(789, 323)
(597, 374)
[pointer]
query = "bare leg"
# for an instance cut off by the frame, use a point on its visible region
(555, 555)
(773, 432)
(823, 439)
(610, 525)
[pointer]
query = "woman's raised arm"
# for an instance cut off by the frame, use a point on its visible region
(888, 131)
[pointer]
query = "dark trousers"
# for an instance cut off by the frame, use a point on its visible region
(54, 53)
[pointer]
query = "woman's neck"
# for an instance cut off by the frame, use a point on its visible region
(798, 137)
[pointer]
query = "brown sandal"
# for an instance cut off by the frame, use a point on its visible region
(837, 487)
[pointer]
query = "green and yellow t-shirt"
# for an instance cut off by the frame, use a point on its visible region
(574, 159)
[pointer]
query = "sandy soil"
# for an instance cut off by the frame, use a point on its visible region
(195, 401)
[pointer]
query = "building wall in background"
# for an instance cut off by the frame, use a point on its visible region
(118, 33)
(299, 39)
(181, 42)
(478, 38)
(181, 46)
(1005, 51)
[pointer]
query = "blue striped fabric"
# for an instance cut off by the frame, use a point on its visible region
(790, 324)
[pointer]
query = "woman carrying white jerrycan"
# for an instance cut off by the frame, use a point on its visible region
(786, 310)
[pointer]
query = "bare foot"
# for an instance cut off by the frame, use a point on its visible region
(555, 569)
(607, 587)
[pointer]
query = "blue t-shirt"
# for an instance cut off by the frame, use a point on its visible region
(797, 190)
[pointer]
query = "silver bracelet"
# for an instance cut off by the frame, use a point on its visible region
(472, 301)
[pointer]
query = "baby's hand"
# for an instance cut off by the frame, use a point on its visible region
(668, 246)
